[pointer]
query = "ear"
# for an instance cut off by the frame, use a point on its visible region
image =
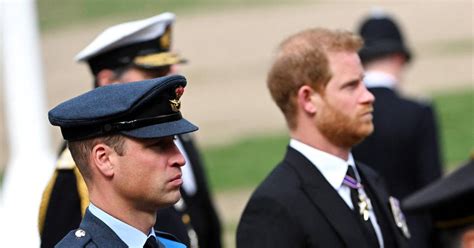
(105, 77)
(101, 157)
(306, 99)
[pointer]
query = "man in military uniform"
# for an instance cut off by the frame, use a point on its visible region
(319, 196)
(450, 203)
(404, 147)
(123, 53)
(126, 153)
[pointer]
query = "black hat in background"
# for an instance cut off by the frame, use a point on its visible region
(449, 201)
(382, 36)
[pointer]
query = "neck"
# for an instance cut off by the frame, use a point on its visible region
(312, 137)
(124, 211)
(391, 65)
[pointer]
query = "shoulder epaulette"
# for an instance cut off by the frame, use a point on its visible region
(75, 238)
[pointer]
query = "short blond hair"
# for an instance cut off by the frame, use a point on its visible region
(301, 60)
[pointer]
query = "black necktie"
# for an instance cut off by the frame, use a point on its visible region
(351, 181)
(151, 243)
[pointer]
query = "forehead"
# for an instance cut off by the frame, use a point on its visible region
(344, 66)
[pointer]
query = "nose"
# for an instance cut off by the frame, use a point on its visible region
(367, 96)
(177, 158)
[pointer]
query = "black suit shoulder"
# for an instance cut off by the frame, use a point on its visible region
(270, 211)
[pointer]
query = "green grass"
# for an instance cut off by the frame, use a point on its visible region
(456, 123)
(245, 163)
(62, 13)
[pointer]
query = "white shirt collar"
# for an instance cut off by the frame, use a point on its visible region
(333, 168)
(373, 79)
(128, 234)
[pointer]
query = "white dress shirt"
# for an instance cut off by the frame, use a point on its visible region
(133, 237)
(189, 183)
(376, 79)
(334, 170)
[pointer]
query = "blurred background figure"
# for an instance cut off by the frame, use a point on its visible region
(404, 147)
(450, 203)
(128, 52)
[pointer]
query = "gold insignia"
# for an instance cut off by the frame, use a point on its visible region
(176, 103)
(158, 59)
(399, 216)
(186, 219)
(165, 39)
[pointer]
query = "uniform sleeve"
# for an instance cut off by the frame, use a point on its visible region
(61, 208)
(265, 223)
(428, 154)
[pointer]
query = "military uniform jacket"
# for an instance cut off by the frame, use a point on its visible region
(296, 207)
(92, 232)
(66, 198)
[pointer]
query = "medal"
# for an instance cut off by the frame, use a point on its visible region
(398, 216)
(365, 206)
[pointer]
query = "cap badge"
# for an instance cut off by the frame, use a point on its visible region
(399, 217)
(176, 103)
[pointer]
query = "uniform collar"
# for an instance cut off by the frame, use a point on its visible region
(377, 79)
(331, 167)
(128, 234)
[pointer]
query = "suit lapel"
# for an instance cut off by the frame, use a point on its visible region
(326, 200)
(381, 196)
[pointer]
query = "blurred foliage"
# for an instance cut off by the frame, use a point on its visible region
(247, 162)
(456, 124)
(60, 13)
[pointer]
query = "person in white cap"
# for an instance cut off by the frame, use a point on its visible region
(129, 52)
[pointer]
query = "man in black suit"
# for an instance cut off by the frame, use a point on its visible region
(318, 196)
(404, 148)
(124, 53)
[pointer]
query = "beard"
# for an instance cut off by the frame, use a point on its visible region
(342, 130)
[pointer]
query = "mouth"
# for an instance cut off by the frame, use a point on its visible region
(176, 180)
(367, 114)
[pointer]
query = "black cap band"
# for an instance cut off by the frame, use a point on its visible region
(87, 132)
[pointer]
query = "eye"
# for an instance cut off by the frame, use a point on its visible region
(163, 143)
(351, 84)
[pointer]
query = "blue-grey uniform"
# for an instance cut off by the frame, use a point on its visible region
(140, 110)
(99, 229)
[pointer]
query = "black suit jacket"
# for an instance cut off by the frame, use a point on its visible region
(61, 208)
(296, 207)
(404, 150)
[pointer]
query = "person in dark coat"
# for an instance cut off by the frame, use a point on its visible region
(449, 201)
(319, 195)
(404, 147)
(126, 153)
(124, 53)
